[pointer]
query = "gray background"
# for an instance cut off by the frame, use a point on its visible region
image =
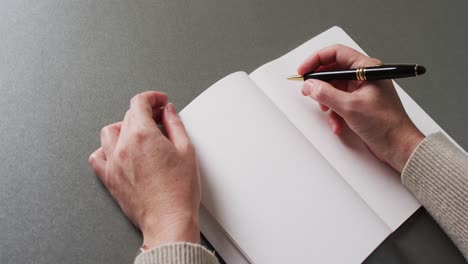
(67, 68)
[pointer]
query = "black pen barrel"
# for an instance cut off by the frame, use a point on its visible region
(392, 71)
(332, 75)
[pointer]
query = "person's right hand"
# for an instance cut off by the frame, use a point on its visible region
(372, 109)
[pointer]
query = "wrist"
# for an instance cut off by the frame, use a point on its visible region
(403, 142)
(158, 232)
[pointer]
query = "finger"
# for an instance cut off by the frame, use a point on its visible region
(325, 94)
(109, 136)
(175, 128)
(125, 125)
(97, 161)
(336, 122)
(145, 104)
(328, 67)
(323, 107)
(340, 55)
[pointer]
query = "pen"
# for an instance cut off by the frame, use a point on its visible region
(379, 72)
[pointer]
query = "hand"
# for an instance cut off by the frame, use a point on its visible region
(372, 109)
(153, 178)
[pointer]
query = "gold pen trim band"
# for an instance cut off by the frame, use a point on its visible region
(361, 74)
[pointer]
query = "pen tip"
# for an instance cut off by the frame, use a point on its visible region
(296, 78)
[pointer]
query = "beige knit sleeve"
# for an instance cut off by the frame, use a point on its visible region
(437, 175)
(177, 253)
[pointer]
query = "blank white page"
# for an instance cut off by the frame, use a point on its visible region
(219, 239)
(273, 193)
(376, 182)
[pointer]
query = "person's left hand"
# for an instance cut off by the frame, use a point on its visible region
(153, 178)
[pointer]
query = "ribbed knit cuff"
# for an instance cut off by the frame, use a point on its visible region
(177, 253)
(437, 175)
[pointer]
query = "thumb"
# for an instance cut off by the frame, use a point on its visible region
(175, 128)
(325, 94)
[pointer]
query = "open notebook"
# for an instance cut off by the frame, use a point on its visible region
(278, 185)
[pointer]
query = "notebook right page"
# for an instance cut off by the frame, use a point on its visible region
(377, 183)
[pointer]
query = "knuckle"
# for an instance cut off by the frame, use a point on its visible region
(92, 160)
(105, 130)
(141, 134)
(135, 99)
(120, 154)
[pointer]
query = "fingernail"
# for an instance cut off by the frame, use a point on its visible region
(171, 108)
(307, 87)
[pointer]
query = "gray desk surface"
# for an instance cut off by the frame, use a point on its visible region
(67, 68)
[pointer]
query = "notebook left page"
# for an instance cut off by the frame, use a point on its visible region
(272, 193)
